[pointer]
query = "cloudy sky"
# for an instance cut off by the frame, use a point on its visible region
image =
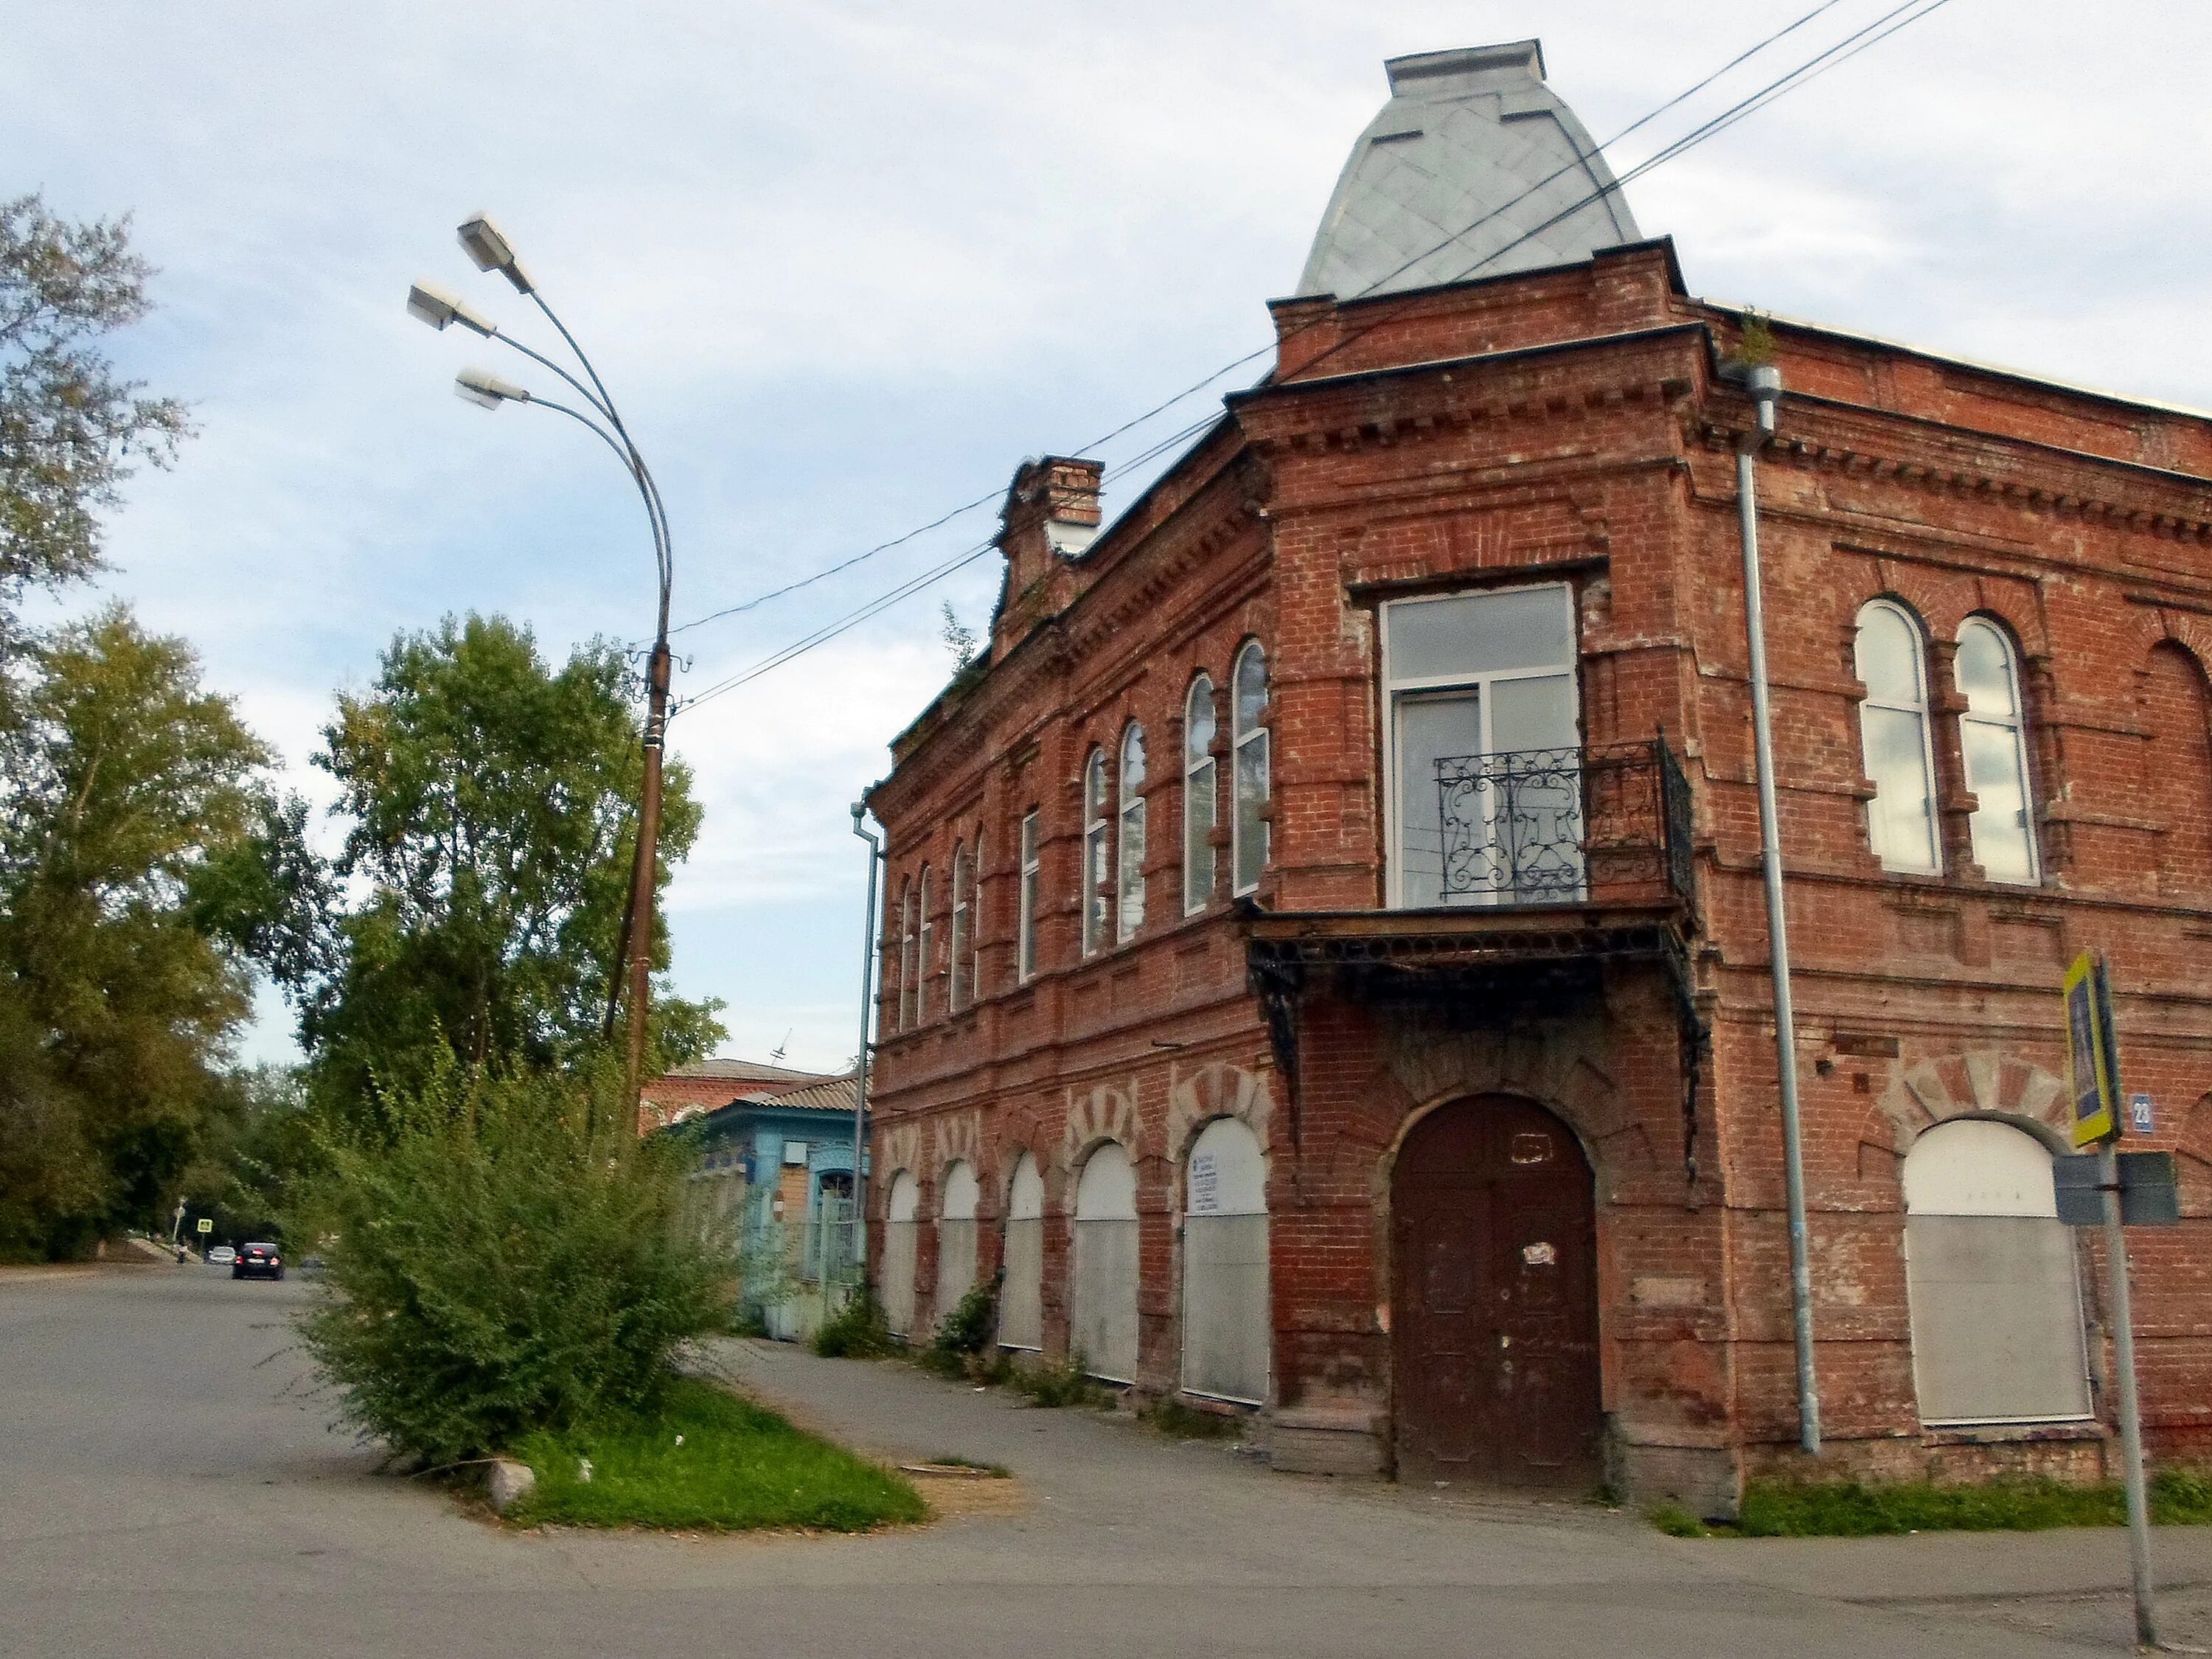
(845, 265)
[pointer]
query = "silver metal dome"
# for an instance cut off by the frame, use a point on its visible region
(1461, 175)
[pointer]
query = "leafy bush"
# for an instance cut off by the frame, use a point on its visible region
(1180, 1422)
(1054, 1382)
(858, 1331)
(973, 1324)
(508, 1259)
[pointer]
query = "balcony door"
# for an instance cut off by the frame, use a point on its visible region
(1481, 752)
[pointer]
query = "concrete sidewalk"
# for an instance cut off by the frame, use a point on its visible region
(1106, 1499)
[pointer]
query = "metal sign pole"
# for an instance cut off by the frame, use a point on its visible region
(2123, 1362)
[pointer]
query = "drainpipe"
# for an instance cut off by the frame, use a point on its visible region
(1764, 383)
(860, 1061)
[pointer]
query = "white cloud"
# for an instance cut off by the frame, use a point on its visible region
(845, 264)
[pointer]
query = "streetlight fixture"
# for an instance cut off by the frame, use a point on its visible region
(434, 305)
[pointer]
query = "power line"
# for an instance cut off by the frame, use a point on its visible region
(1255, 356)
(1811, 70)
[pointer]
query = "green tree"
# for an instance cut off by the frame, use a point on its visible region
(491, 832)
(70, 427)
(119, 987)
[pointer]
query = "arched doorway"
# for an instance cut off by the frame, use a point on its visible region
(1102, 1303)
(1021, 1298)
(905, 1201)
(1224, 1265)
(958, 1195)
(1495, 1299)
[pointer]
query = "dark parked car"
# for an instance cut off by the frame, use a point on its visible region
(257, 1261)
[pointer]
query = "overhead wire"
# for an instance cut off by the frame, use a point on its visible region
(1830, 57)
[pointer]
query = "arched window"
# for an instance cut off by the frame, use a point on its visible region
(1198, 796)
(908, 977)
(962, 880)
(1894, 736)
(976, 919)
(956, 1235)
(1094, 852)
(1993, 737)
(1102, 1301)
(1032, 875)
(1129, 884)
(1249, 765)
(2177, 716)
(1021, 1297)
(927, 948)
(1224, 1265)
(898, 1253)
(1996, 1310)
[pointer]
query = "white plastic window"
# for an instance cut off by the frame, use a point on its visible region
(1473, 678)
(1197, 797)
(1892, 664)
(963, 990)
(1130, 885)
(927, 947)
(1025, 944)
(906, 975)
(1249, 764)
(1094, 852)
(1993, 737)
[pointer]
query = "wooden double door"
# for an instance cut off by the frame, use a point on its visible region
(1495, 1354)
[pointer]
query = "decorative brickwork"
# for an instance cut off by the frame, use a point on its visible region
(1572, 426)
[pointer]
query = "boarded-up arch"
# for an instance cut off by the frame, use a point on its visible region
(1021, 1297)
(1102, 1303)
(899, 1227)
(958, 1195)
(1224, 1265)
(1990, 1278)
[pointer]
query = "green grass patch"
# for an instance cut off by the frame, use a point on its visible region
(996, 1471)
(705, 1459)
(1056, 1382)
(1180, 1422)
(1850, 1508)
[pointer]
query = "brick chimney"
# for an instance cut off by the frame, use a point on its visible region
(1051, 516)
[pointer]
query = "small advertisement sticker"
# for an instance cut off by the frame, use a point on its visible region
(1205, 1184)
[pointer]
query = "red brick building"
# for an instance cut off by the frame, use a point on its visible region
(705, 1086)
(1325, 963)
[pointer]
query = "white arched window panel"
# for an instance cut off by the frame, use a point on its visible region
(1031, 876)
(1991, 1278)
(1129, 881)
(1250, 767)
(1993, 737)
(976, 919)
(903, 1204)
(1199, 804)
(958, 1197)
(1102, 1292)
(963, 879)
(906, 975)
(927, 948)
(1094, 852)
(1021, 1295)
(1225, 1317)
(1894, 736)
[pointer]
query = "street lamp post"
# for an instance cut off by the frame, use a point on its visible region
(491, 251)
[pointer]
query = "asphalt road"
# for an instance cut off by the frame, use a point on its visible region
(170, 1485)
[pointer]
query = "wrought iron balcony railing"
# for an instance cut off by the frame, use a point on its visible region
(1606, 825)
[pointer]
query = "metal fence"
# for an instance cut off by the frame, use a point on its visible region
(796, 1274)
(1565, 826)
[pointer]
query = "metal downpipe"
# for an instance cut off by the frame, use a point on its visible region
(860, 1058)
(1764, 383)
